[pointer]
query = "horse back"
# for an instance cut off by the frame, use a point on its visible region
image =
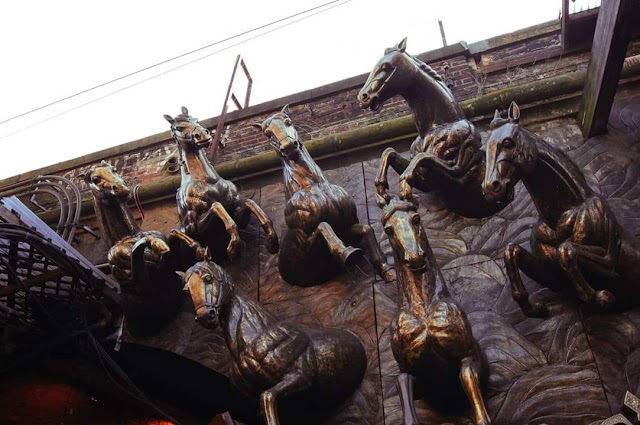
(340, 360)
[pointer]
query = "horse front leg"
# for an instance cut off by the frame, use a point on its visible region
(517, 258)
(405, 390)
(218, 210)
(471, 384)
(378, 258)
(450, 172)
(291, 383)
(201, 253)
(347, 256)
(273, 246)
(390, 157)
(568, 255)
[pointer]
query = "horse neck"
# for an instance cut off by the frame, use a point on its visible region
(431, 102)
(196, 166)
(556, 183)
(115, 219)
(301, 172)
(243, 319)
(419, 290)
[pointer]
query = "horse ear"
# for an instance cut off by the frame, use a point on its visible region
(186, 288)
(169, 118)
(514, 112)
(87, 176)
(402, 46)
(382, 201)
(185, 111)
(207, 254)
(496, 115)
(257, 124)
(285, 109)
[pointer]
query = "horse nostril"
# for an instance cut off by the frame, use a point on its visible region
(496, 186)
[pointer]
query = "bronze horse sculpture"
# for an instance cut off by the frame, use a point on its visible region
(320, 216)
(209, 207)
(150, 289)
(447, 156)
(431, 338)
(272, 360)
(577, 238)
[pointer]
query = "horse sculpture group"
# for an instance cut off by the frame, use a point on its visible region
(577, 241)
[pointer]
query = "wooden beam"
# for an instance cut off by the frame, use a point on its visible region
(610, 42)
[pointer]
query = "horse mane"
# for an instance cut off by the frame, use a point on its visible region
(426, 68)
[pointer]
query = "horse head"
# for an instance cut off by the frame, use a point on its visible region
(510, 153)
(281, 133)
(401, 223)
(105, 183)
(394, 71)
(211, 289)
(188, 132)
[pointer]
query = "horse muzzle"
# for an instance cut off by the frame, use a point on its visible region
(495, 190)
(367, 101)
(208, 317)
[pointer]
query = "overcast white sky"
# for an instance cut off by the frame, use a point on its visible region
(51, 50)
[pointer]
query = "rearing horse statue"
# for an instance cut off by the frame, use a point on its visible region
(431, 338)
(274, 360)
(577, 238)
(209, 206)
(319, 215)
(447, 156)
(139, 260)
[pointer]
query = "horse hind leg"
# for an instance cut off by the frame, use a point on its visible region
(347, 256)
(383, 269)
(471, 384)
(405, 390)
(291, 383)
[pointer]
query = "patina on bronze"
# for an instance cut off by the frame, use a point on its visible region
(577, 238)
(209, 206)
(320, 216)
(447, 157)
(274, 360)
(150, 290)
(431, 338)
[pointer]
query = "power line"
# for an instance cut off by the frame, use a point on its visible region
(169, 60)
(171, 70)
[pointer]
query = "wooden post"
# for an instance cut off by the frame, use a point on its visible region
(610, 42)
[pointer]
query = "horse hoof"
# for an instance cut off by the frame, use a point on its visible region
(350, 256)
(538, 310)
(605, 299)
(388, 273)
(273, 246)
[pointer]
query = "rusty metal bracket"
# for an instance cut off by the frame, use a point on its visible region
(223, 115)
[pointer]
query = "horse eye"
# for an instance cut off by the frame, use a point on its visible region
(388, 230)
(507, 143)
(287, 121)
(268, 133)
(95, 179)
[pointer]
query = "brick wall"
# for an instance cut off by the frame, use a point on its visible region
(503, 64)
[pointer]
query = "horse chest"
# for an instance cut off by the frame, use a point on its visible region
(198, 195)
(321, 202)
